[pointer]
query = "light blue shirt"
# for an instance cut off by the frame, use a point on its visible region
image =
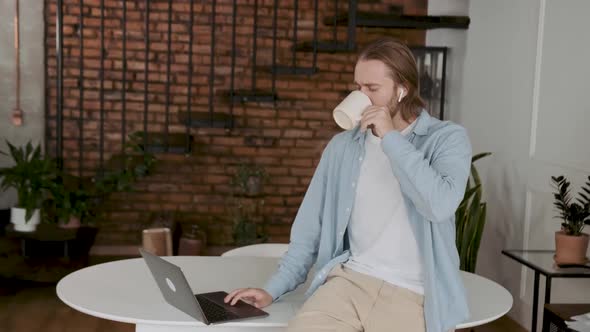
(432, 165)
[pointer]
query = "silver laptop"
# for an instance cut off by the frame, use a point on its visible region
(205, 307)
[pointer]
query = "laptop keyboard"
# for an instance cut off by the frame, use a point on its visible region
(213, 311)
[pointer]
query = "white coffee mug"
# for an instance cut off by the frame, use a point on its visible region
(348, 113)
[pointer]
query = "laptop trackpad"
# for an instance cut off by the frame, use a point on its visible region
(241, 308)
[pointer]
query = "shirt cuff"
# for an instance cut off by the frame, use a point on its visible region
(274, 288)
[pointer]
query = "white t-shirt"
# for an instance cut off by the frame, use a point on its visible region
(382, 244)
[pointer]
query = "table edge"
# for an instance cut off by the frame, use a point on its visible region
(509, 253)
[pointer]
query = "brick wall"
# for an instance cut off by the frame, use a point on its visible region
(286, 138)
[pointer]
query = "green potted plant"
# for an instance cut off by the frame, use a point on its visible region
(31, 175)
(72, 201)
(124, 169)
(246, 204)
(246, 224)
(570, 243)
(470, 219)
(249, 179)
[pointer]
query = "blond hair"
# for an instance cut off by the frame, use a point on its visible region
(403, 70)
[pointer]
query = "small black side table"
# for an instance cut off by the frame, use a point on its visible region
(75, 243)
(44, 233)
(541, 261)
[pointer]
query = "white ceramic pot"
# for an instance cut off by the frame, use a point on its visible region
(17, 218)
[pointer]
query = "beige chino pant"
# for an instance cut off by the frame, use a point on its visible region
(352, 301)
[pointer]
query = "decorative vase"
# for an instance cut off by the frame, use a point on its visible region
(17, 218)
(193, 242)
(570, 249)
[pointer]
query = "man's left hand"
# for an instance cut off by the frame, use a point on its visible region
(378, 119)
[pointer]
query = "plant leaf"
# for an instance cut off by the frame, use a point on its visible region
(469, 219)
(479, 156)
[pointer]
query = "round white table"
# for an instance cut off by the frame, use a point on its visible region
(125, 291)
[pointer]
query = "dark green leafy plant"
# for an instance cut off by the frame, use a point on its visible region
(244, 233)
(247, 223)
(82, 197)
(72, 196)
(135, 163)
(246, 204)
(31, 175)
(573, 215)
(470, 219)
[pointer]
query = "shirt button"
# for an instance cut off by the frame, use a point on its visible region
(347, 209)
(353, 184)
(360, 158)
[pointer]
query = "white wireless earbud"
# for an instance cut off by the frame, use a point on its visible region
(401, 95)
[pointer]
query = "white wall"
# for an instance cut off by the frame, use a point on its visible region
(518, 80)
(32, 79)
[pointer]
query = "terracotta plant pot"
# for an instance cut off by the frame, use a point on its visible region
(570, 249)
(73, 223)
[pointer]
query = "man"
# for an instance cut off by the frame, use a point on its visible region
(378, 216)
